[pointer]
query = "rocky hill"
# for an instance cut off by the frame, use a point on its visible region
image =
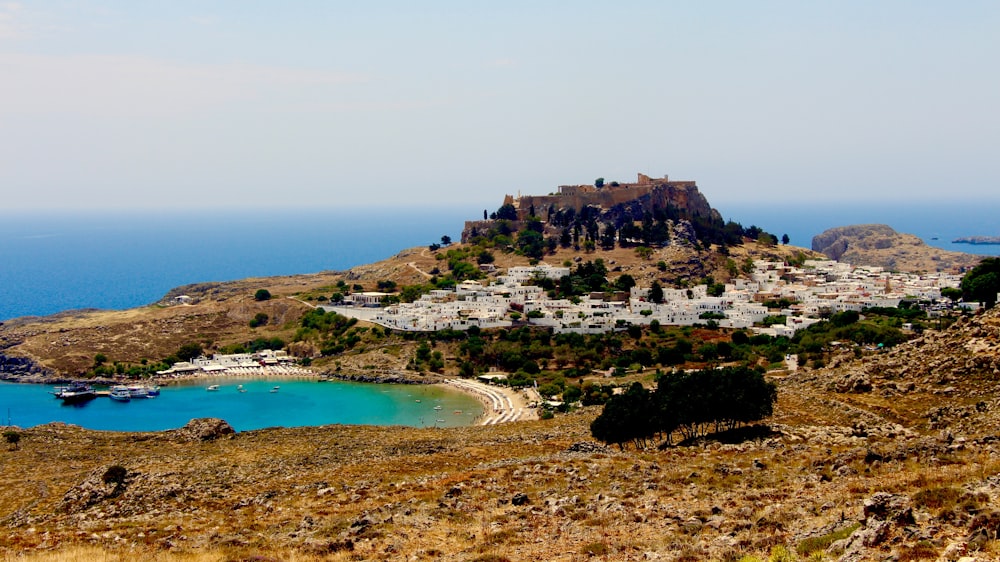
(881, 246)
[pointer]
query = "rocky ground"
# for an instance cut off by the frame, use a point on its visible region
(891, 456)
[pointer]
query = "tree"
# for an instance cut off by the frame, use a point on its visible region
(116, 474)
(259, 319)
(262, 295)
(599, 183)
(12, 438)
(656, 293)
(531, 243)
(625, 282)
(982, 283)
(785, 239)
(445, 240)
(189, 351)
(644, 252)
(951, 293)
(507, 212)
(485, 257)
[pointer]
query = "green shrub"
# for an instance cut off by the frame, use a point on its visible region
(821, 543)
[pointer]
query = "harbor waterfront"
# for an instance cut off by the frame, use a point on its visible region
(263, 402)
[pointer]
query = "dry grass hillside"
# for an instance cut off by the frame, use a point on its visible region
(219, 313)
(888, 456)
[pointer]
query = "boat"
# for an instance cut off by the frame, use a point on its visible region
(212, 388)
(120, 393)
(77, 393)
(275, 389)
(240, 388)
(140, 391)
(437, 407)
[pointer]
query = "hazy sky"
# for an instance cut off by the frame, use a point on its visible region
(167, 104)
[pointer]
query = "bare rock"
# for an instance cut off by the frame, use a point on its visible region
(893, 508)
(204, 429)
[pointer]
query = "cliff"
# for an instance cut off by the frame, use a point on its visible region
(615, 203)
(880, 246)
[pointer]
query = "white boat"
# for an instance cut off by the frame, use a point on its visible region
(140, 391)
(437, 407)
(212, 388)
(240, 388)
(275, 389)
(120, 393)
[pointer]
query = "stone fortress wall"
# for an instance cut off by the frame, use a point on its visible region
(647, 191)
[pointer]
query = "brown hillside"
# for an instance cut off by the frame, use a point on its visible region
(219, 313)
(879, 245)
(903, 465)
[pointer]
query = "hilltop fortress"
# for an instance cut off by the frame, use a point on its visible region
(618, 202)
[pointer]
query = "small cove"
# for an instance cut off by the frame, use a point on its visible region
(296, 402)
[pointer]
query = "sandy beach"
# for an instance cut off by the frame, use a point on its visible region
(502, 404)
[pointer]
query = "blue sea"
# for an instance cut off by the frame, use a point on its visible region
(936, 223)
(55, 262)
(294, 403)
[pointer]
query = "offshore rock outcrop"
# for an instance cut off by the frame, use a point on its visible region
(878, 245)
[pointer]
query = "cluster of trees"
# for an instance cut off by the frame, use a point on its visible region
(624, 226)
(690, 404)
(876, 328)
(253, 346)
(982, 283)
(332, 333)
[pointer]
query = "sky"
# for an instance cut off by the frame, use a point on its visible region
(244, 104)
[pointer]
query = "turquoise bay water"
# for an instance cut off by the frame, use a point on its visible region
(299, 402)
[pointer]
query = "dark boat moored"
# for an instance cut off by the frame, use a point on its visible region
(77, 393)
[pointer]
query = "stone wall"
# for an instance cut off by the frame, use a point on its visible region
(644, 195)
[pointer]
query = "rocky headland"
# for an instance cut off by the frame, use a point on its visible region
(878, 245)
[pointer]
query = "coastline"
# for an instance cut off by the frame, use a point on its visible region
(500, 404)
